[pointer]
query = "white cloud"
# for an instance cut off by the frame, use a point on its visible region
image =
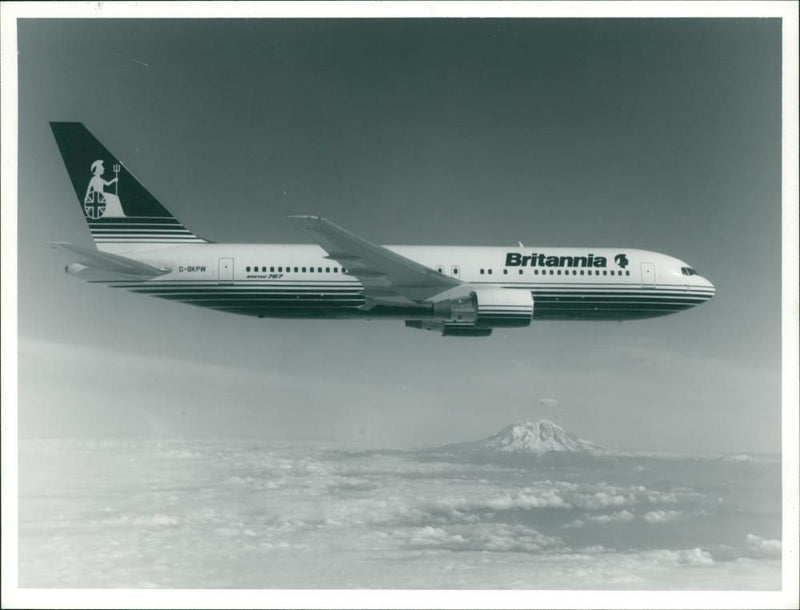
(491, 537)
(603, 499)
(622, 516)
(548, 498)
(142, 520)
(770, 548)
(661, 516)
(567, 496)
(548, 402)
(695, 556)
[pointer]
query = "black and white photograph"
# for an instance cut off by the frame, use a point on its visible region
(434, 305)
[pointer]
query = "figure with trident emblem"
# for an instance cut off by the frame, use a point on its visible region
(98, 203)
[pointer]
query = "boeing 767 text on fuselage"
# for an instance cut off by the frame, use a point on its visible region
(458, 291)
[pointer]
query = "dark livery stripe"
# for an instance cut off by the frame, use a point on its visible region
(311, 298)
(137, 228)
(143, 237)
(279, 299)
(134, 220)
(146, 236)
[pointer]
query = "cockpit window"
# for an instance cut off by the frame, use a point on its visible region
(688, 271)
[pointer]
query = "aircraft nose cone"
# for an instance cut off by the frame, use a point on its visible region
(710, 288)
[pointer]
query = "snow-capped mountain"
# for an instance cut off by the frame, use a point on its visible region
(540, 437)
(529, 438)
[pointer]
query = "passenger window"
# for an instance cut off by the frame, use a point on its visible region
(559, 272)
(319, 269)
(627, 273)
(612, 272)
(605, 272)
(482, 271)
(552, 272)
(490, 272)
(327, 269)
(520, 271)
(535, 272)
(335, 270)
(505, 271)
(296, 269)
(311, 269)
(581, 271)
(272, 269)
(247, 269)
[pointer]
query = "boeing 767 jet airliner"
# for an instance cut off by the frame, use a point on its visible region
(458, 291)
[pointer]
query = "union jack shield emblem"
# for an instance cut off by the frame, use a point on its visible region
(94, 205)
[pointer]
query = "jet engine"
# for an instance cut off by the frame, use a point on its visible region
(477, 313)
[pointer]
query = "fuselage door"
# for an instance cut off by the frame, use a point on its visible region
(226, 271)
(648, 275)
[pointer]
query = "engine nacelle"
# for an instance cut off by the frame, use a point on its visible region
(479, 312)
(503, 307)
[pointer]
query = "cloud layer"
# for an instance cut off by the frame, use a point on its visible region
(137, 513)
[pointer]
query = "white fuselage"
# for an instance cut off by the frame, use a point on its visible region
(301, 281)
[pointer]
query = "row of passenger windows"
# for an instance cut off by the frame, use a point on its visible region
(273, 269)
(566, 272)
(296, 269)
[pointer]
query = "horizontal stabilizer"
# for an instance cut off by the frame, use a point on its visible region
(113, 263)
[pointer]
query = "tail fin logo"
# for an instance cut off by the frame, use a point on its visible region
(99, 203)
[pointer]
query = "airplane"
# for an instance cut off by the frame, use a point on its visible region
(458, 291)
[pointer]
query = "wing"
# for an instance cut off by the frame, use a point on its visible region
(388, 278)
(112, 263)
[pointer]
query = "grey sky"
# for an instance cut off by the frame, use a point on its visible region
(660, 134)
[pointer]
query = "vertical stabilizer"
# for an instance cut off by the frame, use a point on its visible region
(121, 213)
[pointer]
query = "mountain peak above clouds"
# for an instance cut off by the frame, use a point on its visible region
(536, 438)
